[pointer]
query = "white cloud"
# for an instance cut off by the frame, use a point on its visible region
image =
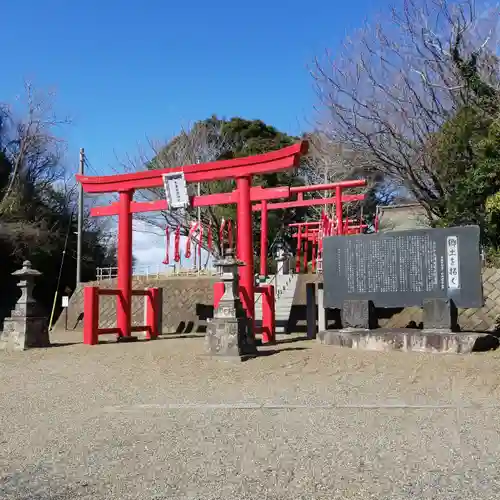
(149, 248)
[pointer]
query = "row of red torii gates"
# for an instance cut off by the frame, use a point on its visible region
(241, 170)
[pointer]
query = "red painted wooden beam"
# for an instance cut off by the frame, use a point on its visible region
(151, 206)
(274, 161)
(307, 203)
(310, 231)
(257, 193)
(315, 231)
(329, 187)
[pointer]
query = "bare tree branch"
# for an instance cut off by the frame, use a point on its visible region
(328, 162)
(393, 86)
(32, 150)
(199, 143)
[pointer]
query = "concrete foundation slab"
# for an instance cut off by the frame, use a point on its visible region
(408, 340)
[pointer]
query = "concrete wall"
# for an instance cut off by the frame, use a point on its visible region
(402, 217)
(474, 320)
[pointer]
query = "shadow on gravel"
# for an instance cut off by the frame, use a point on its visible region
(61, 344)
(258, 342)
(133, 340)
(290, 340)
(271, 352)
(167, 336)
(489, 342)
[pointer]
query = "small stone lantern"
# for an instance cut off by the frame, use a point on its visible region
(282, 258)
(25, 327)
(229, 334)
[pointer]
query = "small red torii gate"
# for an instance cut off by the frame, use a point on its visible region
(338, 200)
(310, 235)
(314, 232)
(240, 169)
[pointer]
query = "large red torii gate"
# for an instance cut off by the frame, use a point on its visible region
(240, 169)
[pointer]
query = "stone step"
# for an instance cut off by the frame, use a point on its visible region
(283, 302)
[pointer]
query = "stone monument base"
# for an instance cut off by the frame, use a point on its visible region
(405, 339)
(21, 333)
(230, 340)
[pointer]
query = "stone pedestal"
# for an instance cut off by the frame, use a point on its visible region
(440, 315)
(359, 314)
(229, 334)
(26, 327)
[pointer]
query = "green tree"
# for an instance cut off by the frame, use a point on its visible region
(467, 155)
(217, 139)
(467, 161)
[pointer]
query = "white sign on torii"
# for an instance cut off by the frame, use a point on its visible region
(176, 190)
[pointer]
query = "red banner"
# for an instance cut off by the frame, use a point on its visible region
(192, 230)
(177, 244)
(210, 238)
(230, 233)
(167, 238)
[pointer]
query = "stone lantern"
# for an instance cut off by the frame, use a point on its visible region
(26, 327)
(282, 277)
(229, 333)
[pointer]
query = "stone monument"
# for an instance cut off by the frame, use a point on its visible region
(438, 270)
(229, 334)
(26, 327)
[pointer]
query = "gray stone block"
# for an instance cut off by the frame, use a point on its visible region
(440, 315)
(21, 333)
(359, 314)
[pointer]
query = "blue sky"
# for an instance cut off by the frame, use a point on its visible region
(127, 70)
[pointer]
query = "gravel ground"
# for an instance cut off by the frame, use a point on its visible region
(158, 420)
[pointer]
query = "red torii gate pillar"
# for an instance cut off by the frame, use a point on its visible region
(264, 240)
(124, 311)
(244, 238)
(240, 169)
